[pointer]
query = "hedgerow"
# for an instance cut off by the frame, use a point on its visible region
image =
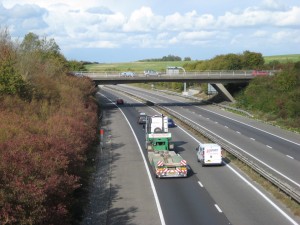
(47, 127)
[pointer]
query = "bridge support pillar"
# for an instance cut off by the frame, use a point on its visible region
(223, 92)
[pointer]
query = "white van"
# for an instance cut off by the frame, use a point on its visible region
(209, 154)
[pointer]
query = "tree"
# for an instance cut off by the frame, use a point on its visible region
(252, 60)
(11, 82)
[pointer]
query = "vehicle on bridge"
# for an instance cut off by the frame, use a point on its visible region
(149, 73)
(127, 74)
(260, 73)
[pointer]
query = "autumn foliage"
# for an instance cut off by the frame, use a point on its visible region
(48, 123)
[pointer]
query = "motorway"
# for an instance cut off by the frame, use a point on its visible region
(215, 195)
(276, 149)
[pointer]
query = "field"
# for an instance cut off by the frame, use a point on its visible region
(134, 66)
(162, 65)
(283, 58)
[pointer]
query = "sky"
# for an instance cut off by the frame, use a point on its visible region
(108, 31)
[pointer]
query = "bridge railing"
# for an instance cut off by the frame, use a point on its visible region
(219, 73)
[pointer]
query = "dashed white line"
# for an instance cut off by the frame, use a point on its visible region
(218, 208)
(252, 139)
(269, 146)
(201, 185)
(238, 132)
(291, 157)
(225, 126)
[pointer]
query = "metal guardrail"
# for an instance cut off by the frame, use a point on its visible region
(219, 73)
(179, 73)
(286, 188)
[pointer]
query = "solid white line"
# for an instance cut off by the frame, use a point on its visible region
(201, 185)
(218, 208)
(161, 216)
(290, 156)
(264, 196)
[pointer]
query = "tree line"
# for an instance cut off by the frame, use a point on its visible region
(168, 58)
(48, 123)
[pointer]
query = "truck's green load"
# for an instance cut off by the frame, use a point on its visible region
(164, 162)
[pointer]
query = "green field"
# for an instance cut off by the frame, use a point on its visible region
(283, 58)
(134, 66)
(162, 65)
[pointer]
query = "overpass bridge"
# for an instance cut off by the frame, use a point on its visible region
(215, 78)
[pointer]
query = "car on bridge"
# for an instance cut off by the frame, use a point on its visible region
(151, 73)
(127, 74)
(260, 73)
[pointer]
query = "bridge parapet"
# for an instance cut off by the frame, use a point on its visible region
(219, 73)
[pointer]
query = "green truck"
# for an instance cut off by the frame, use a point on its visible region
(164, 161)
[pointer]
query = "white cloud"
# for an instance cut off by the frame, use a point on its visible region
(289, 18)
(141, 24)
(260, 33)
(142, 20)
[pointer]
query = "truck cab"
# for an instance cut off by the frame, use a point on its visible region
(209, 154)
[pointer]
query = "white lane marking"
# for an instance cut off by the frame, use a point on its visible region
(218, 208)
(268, 146)
(201, 185)
(225, 126)
(239, 175)
(290, 156)
(276, 171)
(238, 132)
(264, 196)
(252, 139)
(240, 122)
(250, 126)
(252, 186)
(161, 216)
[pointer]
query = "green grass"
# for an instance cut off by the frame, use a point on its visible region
(282, 58)
(134, 66)
(162, 65)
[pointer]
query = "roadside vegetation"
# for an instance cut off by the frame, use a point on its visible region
(48, 123)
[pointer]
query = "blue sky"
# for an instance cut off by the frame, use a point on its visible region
(125, 31)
